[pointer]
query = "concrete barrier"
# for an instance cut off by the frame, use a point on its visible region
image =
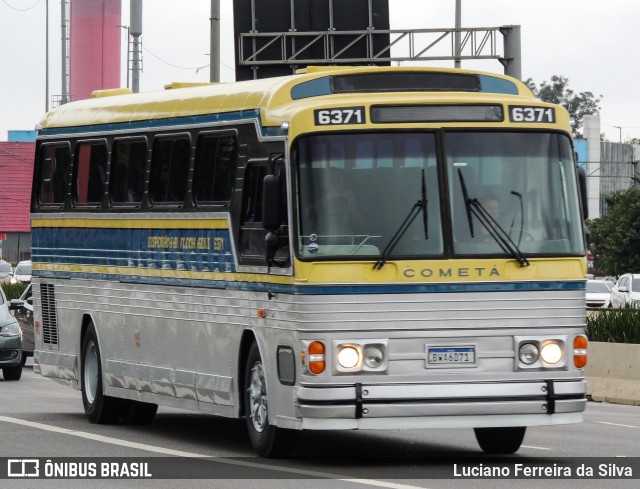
(613, 373)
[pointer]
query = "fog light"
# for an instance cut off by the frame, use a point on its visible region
(551, 353)
(348, 357)
(373, 357)
(529, 353)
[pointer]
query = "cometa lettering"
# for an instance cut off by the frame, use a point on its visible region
(462, 272)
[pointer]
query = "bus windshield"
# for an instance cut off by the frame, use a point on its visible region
(359, 194)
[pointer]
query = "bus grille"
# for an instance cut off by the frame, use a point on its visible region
(49, 316)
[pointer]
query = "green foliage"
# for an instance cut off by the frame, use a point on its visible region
(615, 325)
(615, 237)
(558, 92)
(13, 291)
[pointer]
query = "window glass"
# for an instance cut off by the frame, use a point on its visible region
(215, 167)
(90, 172)
(252, 233)
(54, 165)
(355, 191)
(128, 159)
(169, 166)
(513, 190)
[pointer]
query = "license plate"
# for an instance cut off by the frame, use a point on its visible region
(451, 355)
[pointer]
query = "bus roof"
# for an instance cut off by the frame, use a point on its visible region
(194, 99)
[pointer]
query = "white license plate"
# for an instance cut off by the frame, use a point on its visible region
(451, 355)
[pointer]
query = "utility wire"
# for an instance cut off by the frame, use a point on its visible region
(171, 64)
(22, 9)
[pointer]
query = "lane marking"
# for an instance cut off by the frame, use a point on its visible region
(617, 424)
(534, 448)
(181, 453)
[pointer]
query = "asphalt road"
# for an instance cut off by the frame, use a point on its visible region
(41, 419)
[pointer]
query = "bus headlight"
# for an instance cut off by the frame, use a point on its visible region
(551, 353)
(373, 356)
(529, 353)
(540, 352)
(357, 356)
(348, 357)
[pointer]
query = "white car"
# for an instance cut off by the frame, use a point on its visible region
(22, 272)
(598, 294)
(626, 291)
(5, 271)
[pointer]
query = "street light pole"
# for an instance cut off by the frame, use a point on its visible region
(620, 129)
(214, 61)
(457, 62)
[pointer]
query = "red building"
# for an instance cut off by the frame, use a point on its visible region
(16, 173)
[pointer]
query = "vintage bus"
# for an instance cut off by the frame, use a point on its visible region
(343, 248)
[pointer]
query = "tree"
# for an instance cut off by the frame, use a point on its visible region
(577, 104)
(615, 237)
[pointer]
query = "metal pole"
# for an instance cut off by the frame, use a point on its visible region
(46, 57)
(620, 129)
(214, 61)
(135, 30)
(457, 63)
(512, 60)
(65, 74)
(292, 9)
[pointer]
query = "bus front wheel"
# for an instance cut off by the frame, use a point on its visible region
(99, 408)
(500, 440)
(267, 440)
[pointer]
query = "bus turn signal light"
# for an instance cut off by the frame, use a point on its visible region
(580, 345)
(316, 357)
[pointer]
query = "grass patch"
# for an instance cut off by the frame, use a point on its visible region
(615, 325)
(13, 291)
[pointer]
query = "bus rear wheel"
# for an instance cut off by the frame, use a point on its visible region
(267, 440)
(500, 440)
(100, 409)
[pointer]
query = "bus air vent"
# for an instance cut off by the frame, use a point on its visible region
(49, 314)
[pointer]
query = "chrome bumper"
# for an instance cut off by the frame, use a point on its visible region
(483, 404)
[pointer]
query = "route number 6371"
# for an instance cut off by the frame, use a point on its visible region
(339, 116)
(520, 113)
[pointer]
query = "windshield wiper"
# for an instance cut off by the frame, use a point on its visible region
(497, 232)
(397, 236)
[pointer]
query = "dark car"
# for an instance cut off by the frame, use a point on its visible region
(23, 312)
(10, 342)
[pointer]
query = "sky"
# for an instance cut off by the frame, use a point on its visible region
(594, 44)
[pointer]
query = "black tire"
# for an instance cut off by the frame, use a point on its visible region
(138, 412)
(267, 440)
(12, 373)
(100, 409)
(500, 440)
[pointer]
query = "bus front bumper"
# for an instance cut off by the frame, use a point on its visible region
(442, 405)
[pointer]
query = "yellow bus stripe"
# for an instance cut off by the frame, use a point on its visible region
(149, 223)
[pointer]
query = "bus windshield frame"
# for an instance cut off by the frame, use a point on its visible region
(353, 192)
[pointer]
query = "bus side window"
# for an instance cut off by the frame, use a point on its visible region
(54, 164)
(251, 231)
(126, 180)
(215, 168)
(169, 168)
(90, 172)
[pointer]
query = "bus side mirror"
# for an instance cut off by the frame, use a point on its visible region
(272, 202)
(582, 188)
